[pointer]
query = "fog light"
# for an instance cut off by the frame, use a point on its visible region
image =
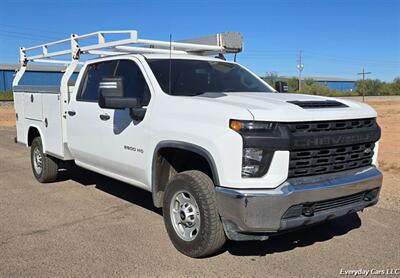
(294, 211)
(371, 195)
(308, 210)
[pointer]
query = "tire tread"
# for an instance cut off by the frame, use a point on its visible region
(50, 165)
(214, 237)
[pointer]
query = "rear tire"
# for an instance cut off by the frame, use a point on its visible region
(44, 168)
(191, 215)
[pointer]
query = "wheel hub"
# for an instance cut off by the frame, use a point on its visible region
(37, 160)
(185, 215)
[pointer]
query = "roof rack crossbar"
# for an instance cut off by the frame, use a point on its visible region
(136, 49)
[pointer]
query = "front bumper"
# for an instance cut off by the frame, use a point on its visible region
(253, 214)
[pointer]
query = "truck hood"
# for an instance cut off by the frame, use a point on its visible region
(276, 107)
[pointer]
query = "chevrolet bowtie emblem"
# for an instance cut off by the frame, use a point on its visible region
(367, 150)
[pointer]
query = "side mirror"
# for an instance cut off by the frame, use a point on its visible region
(281, 86)
(111, 94)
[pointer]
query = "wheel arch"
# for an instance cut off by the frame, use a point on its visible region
(156, 187)
(34, 131)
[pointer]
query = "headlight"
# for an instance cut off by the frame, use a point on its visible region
(255, 161)
(251, 126)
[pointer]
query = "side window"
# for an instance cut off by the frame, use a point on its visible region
(93, 75)
(134, 83)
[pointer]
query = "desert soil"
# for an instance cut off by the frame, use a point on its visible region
(389, 149)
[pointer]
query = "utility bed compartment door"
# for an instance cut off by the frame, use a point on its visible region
(33, 106)
(52, 123)
(19, 99)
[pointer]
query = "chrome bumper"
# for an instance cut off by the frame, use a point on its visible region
(254, 213)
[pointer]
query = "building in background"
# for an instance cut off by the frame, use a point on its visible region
(35, 75)
(340, 84)
(337, 83)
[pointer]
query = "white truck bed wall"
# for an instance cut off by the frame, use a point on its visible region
(40, 107)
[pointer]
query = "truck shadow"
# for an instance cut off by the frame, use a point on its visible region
(275, 244)
(295, 239)
(127, 192)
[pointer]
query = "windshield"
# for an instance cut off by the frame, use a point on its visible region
(194, 77)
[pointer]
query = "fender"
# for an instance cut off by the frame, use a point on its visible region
(184, 146)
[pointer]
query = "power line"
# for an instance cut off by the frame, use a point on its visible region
(351, 59)
(28, 34)
(34, 29)
(364, 73)
(20, 37)
(300, 67)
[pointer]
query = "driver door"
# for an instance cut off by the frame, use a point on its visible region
(127, 139)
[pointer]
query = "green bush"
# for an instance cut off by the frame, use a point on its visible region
(8, 95)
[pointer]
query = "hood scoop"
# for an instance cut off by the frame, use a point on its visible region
(316, 104)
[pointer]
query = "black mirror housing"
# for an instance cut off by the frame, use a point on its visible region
(118, 102)
(281, 86)
(111, 94)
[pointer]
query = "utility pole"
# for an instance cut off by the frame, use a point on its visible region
(300, 67)
(363, 73)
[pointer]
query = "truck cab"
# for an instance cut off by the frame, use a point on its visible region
(222, 152)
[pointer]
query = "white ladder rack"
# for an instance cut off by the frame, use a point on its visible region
(229, 42)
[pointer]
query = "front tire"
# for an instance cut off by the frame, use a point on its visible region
(191, 215)
(44, 168)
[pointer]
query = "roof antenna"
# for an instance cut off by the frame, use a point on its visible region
(170, 63)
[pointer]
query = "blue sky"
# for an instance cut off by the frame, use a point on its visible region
(337, 37)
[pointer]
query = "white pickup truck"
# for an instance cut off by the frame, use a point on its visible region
(222, 152)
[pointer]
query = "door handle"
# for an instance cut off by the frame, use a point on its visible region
(104, 117)
(71, 113)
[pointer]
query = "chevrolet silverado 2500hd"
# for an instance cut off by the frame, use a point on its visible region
(222, 152)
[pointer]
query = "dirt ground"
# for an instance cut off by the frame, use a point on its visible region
(7, 114)
(389, 149)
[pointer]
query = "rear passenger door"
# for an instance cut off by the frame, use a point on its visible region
(84, 125)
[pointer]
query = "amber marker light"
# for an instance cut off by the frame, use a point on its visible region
(235, 125)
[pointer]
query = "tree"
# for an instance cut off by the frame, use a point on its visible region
(371, 87)
(309, 81)
(293, 84)
(395, 86)
(271, 78)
